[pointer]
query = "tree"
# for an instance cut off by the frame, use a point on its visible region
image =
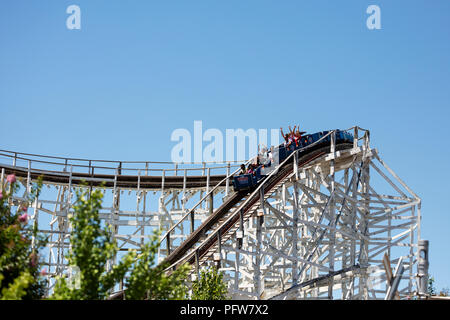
(431, 289)
(149, 281)
(210, 286)
(17, 289)
(445, 292)
(20, 245)
(93, 249)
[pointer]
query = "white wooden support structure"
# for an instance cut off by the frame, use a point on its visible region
(315, 234)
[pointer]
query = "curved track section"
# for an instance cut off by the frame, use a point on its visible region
(120, 181)
(109, 174)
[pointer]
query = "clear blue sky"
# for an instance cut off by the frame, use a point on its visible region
(137, 70)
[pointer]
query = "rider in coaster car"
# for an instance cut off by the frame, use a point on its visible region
(298, 136)
(250, 168)
(287, 137)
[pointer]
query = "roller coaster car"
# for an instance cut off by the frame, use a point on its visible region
(250, 181)
(247, 181)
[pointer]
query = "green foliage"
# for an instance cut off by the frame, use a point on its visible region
(210, 286)
(432, 291)
(149, 281)
(17, 289)
(431, 288)
(19, 255)
(93, 248)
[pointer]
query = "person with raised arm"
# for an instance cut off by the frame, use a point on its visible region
(285, 137)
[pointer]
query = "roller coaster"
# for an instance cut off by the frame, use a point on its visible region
(315, 225)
